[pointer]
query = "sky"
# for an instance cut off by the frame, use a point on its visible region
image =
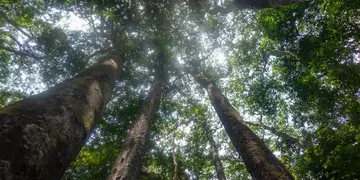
(73, 22)
(70, 22)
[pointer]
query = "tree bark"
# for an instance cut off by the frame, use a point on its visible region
(298, 142)
(41, 135)
(128, 162)
(259, 160)
(214, 152)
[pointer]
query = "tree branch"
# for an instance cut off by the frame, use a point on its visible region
(14, 39)
(19, 52)
(300, 143)
(13, 23)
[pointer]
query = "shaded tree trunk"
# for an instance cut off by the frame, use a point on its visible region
(214, 152)
(41, 135)
(259, 160)
(178, 170)
(175, 165)
(128, 162)
(298, 142)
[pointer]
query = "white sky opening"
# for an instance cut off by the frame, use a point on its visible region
(73, 22)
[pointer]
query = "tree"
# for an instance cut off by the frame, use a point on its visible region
(309, 88)
(259, 160)
(292, 72)
(178, 171)
(128, 162)
(214, 151)
(42, 134)
(175, 164)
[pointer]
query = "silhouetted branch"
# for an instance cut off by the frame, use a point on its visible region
(300, 143)
(19, 52)
(13, 23)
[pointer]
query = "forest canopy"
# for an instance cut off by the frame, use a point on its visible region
(171, 89)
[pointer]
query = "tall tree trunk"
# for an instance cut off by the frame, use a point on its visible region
(214, 152)
(174, 156)
(41, 135)
(178, 171)
(128, 162)
(175, 165)
(259, 160)
(298, 142)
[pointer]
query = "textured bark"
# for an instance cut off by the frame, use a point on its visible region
(41, 135)
(259, 160)
(128, 162)
(298, 142)
(214, 153)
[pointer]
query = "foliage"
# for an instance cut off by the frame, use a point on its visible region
(295, 69)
